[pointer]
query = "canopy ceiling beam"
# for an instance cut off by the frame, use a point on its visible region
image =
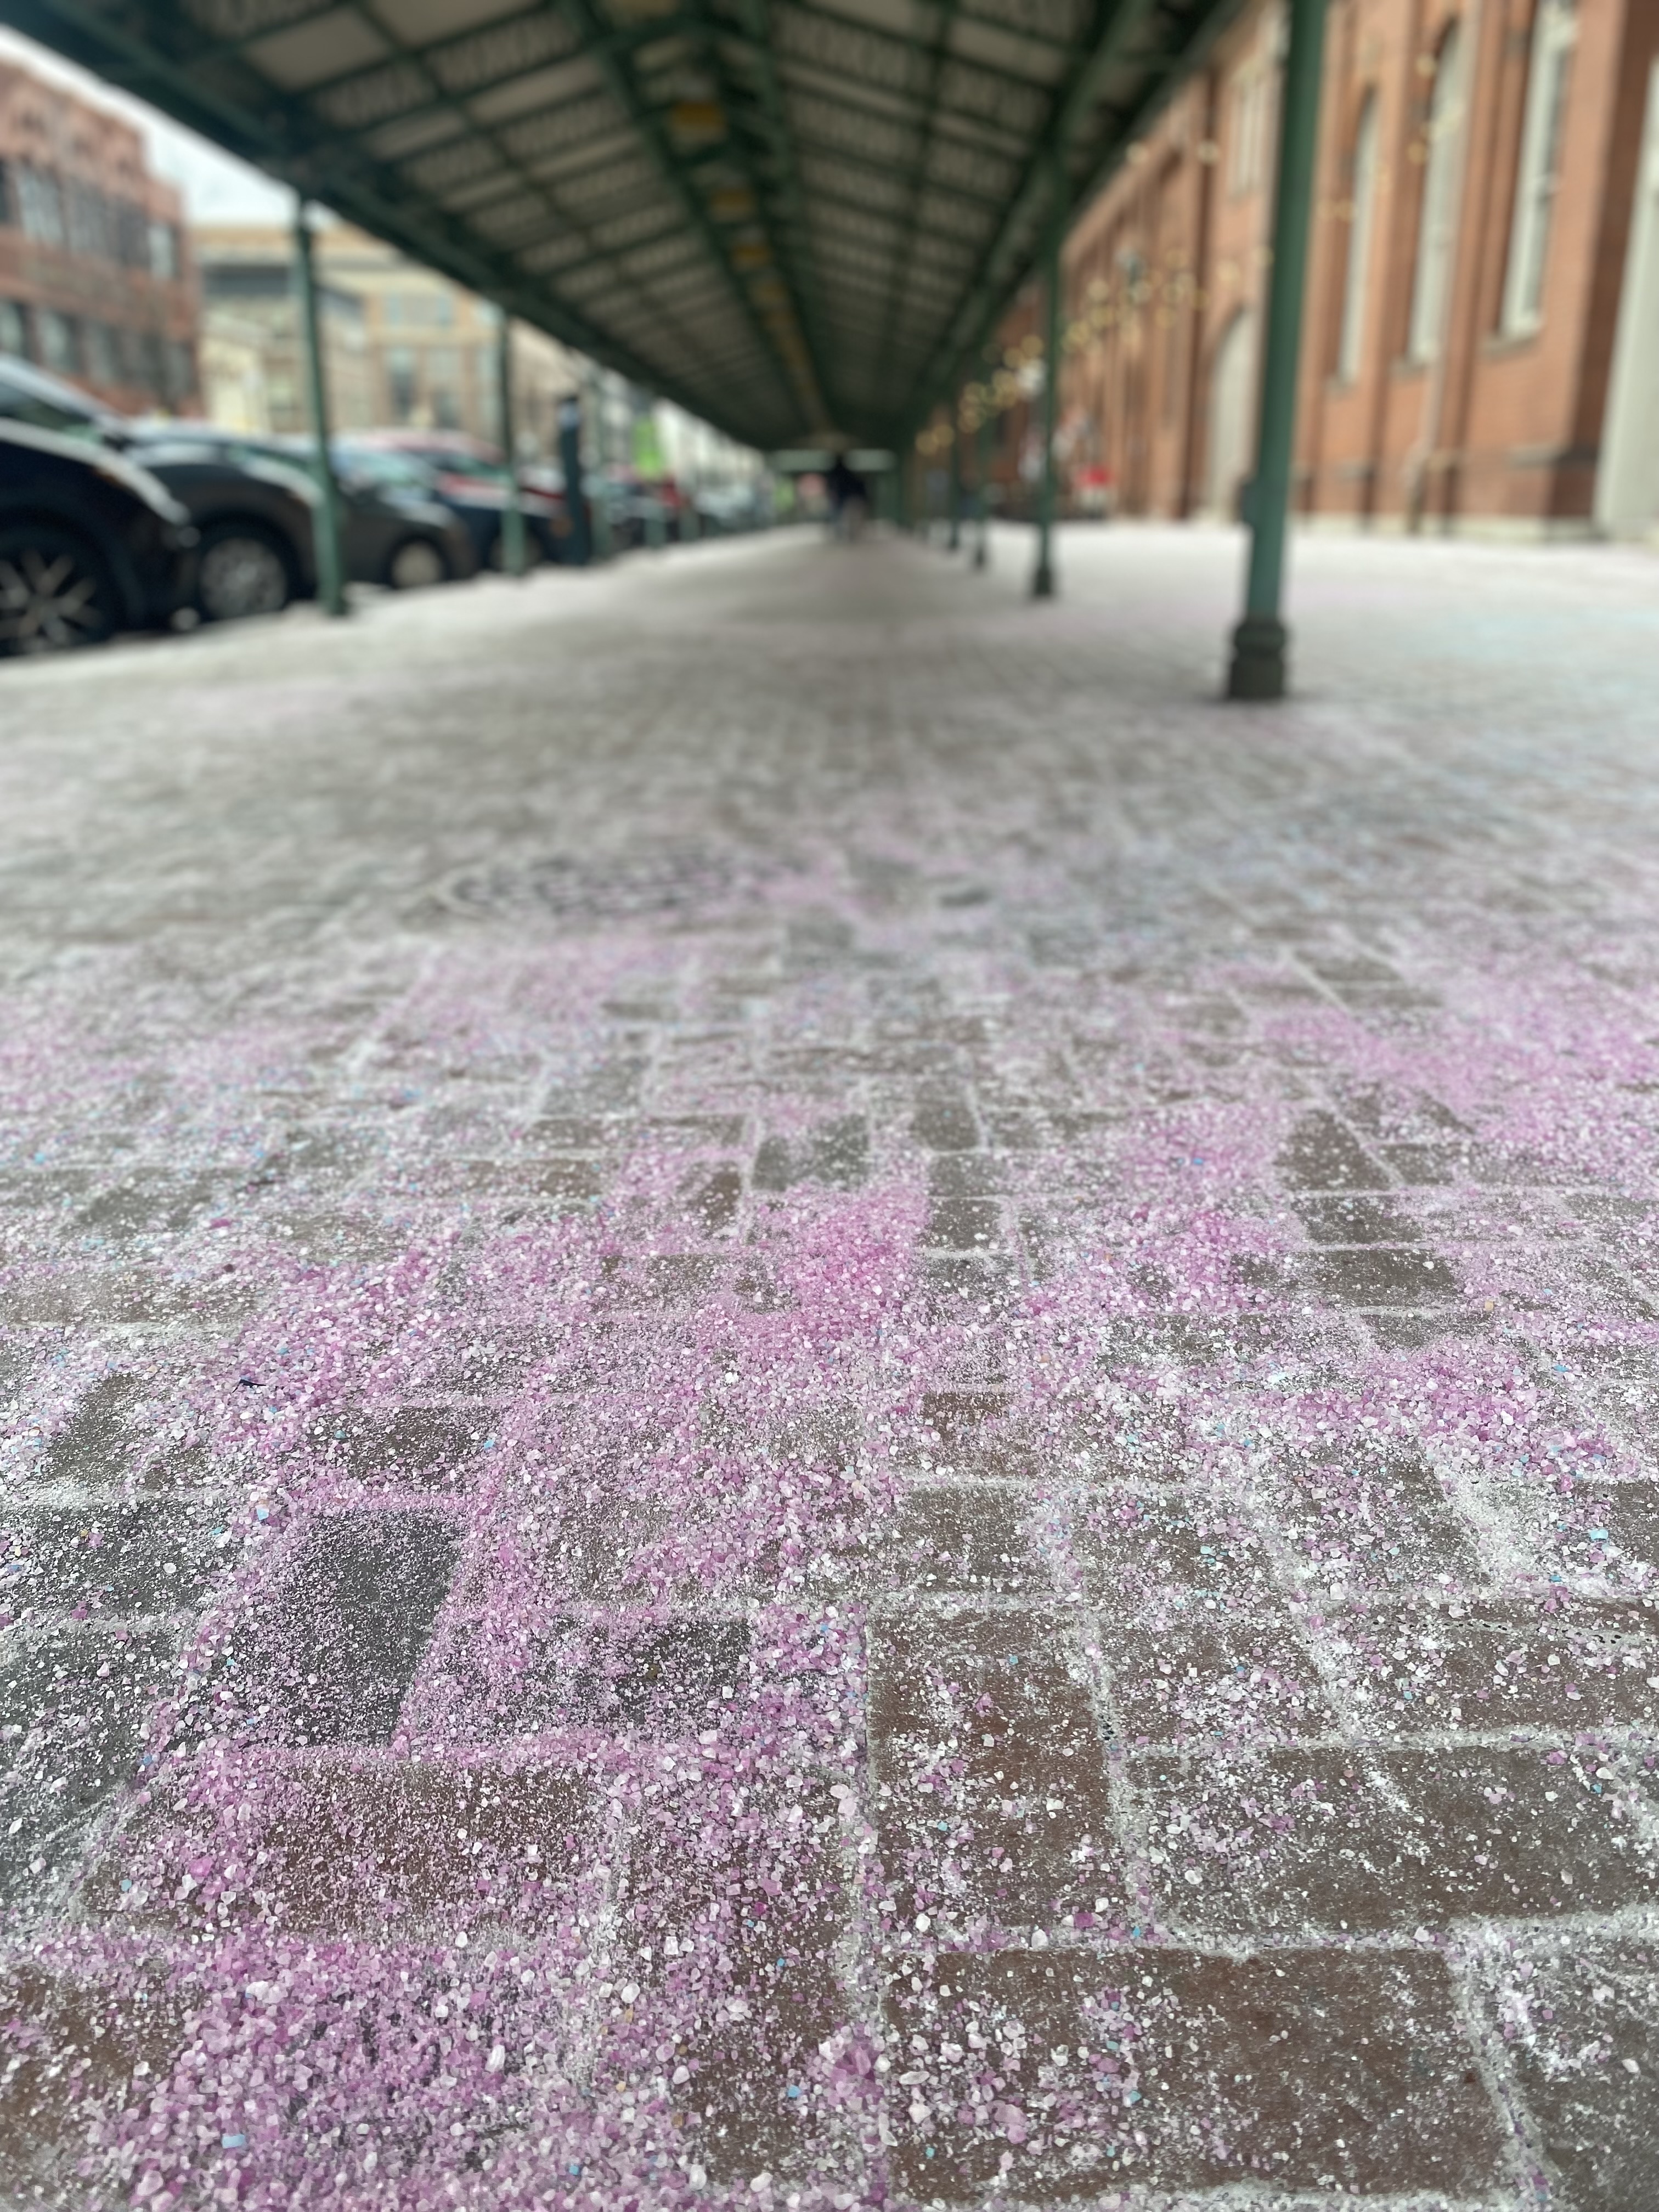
(363, 73)
(904, 259)
(83, 34)
(559, 214)
(857, 203)
(619, 75)
(793, 268)
(1008, 260)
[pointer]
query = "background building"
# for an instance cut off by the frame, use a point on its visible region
(1481, 341)
(95, 276)
(404, 346)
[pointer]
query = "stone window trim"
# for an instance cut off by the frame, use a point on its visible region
(1538, 172)
(1436, 220)
(1360, 206)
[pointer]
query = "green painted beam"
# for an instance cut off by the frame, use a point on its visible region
(559, 214)
(974, 134)
(824, 149)
(615, 42)
(903, 262)
(618, 75)
(793, 268)
(1161, 76)
(885, 36)
(1115, 22)
(763, 76)
(757, 22)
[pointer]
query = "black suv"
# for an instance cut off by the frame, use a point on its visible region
(89, 544)
(253, 521)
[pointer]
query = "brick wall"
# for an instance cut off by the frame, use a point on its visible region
(1473, 413)
(96, 280)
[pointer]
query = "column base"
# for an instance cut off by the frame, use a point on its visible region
(953, 543)
(1042, 583)
(1259, 658)
(981, 557)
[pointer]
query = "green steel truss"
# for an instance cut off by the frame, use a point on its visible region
(800, 219)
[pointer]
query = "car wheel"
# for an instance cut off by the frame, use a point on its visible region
(242, 570)
(416, 565)
(533, 551)
(55, 590)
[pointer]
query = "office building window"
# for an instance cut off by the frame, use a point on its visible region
(88, 221)
(1362, 197)
(14, 329)
(164, 257)
(103, 359)
(60, 350)
(39, 205)
(180, 358)
(1554, 32)
(417, 311)
(400, 383)
(131, 235)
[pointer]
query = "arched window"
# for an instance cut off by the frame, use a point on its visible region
(1555, 28)
(1434, 225)
(1232, 406)
(1361, 196)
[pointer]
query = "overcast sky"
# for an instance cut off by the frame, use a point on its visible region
(217, 188)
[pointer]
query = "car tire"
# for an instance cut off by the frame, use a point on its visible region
(417, 565)
(241, 569)
(56, 591)
(533, 555)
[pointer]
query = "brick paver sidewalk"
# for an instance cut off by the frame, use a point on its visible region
(812, 1400)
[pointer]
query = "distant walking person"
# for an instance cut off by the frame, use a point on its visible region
(849, 499)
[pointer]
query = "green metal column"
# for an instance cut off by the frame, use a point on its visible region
(953, 543)
(1260, 640)
(982, 490)
(596, 422)
(513, 560)
(901, 491)
(330, 561)
(1042, 583)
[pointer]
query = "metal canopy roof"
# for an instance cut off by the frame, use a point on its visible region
(799, 218)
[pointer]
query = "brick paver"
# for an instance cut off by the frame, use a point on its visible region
(810, 1399)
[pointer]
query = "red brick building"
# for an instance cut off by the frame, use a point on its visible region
(95, 277)
(1481, 343)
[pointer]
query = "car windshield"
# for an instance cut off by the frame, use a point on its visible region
(175, 452)
(23, 402)
(465, 465)
(391, 471)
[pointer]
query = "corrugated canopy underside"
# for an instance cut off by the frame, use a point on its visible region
(796, 217)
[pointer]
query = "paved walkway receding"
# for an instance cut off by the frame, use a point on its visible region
(811, 1399)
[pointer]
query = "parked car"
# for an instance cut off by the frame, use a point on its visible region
(254, 501)
(254, 548)
(392, 535)
(469, 479)
(258, 545)
(90, 543)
